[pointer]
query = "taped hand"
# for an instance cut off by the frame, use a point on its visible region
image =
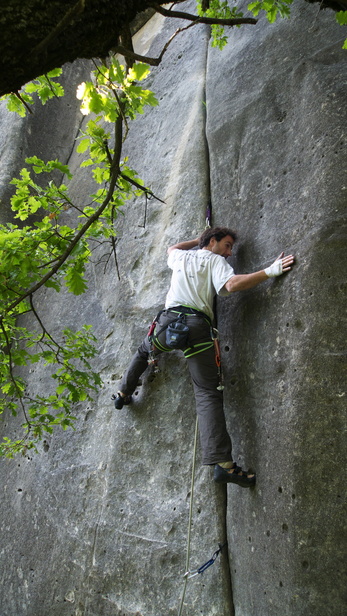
(281, 265)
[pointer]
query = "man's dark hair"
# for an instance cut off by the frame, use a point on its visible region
(218, 233)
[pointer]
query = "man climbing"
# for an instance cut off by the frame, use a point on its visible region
(197, 276)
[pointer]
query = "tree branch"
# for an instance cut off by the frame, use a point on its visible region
(127, 53)
(10, 369)
(114, 174)
(145, 190)
(195, 19)
(27, 107)
(235, 21)
(147, 59)
(73, 243)
(44, 330)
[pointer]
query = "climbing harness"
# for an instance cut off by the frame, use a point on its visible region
(199, 346)
(206, 565)
(177, 332)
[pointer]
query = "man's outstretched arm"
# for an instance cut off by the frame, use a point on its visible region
(184, 245)
(242, 282)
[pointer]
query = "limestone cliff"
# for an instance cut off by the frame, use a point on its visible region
(96, 524)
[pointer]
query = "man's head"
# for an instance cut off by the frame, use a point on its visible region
(219, 240)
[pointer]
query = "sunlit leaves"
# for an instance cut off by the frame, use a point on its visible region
(113, 91)
(45, 87)
(39, 166)
(17, 103)
(341, 18)
(219, 9)
(272, 8)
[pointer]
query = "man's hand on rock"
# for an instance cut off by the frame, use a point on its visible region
(281, 265)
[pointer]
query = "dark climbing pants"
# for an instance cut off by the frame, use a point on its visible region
(214, 438)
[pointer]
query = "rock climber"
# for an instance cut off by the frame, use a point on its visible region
(198, 274)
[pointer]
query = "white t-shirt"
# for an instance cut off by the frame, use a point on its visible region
(197, 275)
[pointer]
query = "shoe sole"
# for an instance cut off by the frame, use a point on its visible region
(243, 482)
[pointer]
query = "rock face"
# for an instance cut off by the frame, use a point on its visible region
(96, 524)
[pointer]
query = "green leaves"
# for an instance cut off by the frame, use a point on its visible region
(28, 254)
(341, 18)
(52, 247)
(272, 8)
(114, 93)
(138, 72)
(219, 9)
(18, 104)
(45, 87)
(39, 166)
(75, 382)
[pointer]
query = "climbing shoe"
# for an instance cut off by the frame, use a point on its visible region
(235, 474)
(120, 400)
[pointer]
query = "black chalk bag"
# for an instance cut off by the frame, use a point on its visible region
(177, 333)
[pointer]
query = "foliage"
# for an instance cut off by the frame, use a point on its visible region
(46, 250)
(44, 86)
(272, 8)
(219, 9)
(341, 18)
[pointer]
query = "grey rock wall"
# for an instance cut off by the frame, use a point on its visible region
(283, 185)
(96, 524)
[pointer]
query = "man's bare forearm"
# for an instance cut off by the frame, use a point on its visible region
(242, 282)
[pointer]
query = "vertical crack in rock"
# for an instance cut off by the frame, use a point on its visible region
(226, 555)
(209, 195)
(207, 149)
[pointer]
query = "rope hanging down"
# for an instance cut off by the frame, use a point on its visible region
(189, 574)
(190, 516)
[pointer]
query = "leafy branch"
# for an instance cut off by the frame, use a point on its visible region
(49, 252)
(45, 87)
(341, 18)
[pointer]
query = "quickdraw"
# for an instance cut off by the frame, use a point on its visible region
(208, 219)
(152, 361)
(206, 565)
(215, 338)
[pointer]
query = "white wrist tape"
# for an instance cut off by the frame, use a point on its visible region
(276, 269)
